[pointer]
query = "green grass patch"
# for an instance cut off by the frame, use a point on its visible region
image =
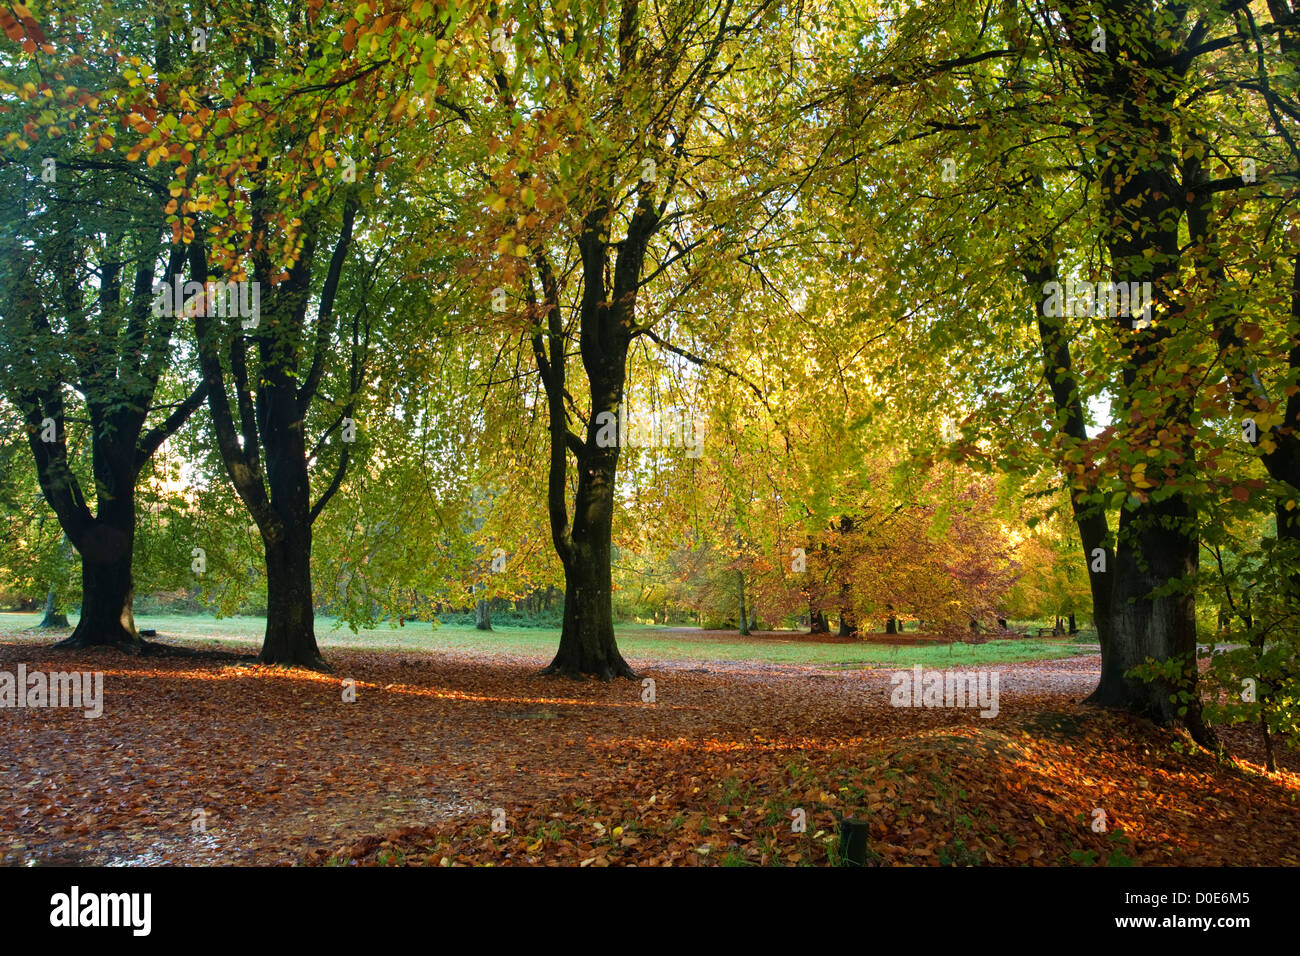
(637, 642)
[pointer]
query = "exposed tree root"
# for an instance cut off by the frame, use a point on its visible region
(80, 642)
(605, 672)
(313, 662)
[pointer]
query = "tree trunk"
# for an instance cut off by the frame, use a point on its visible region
(290, 637)
(1270, 760)
(54, 613)
(817, 622)
(1089, 516)
(107, 590)
(744, 615)
(118, 355)
(606, 326)
(847, 627)
(1074, 627)
(1158, 543)
(482, 615)
(587, 644)
(106, 618)
(1135, 89)
(265, 449)
(891, 625)
(54, 616)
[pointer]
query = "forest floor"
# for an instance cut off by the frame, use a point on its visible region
(203, 761)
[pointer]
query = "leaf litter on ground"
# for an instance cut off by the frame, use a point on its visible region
(199, 761)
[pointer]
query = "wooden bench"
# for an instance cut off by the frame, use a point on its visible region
(1044, 631)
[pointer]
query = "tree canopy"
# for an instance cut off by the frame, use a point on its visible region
(743, 310)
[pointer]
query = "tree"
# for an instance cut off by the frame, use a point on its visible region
(612, 174)
(306, 220)
(83, 244)
(1000, 85)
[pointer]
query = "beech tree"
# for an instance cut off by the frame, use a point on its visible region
(616, 134)
(293, 200)
(1078, 138)
(83, 243)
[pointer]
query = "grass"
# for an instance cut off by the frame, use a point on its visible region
(638, 642)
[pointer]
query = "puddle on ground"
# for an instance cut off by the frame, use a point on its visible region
(199, 849)
(439, 810)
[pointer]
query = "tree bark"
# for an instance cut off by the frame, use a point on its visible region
(744, 614)
(1158, 544)
(105, 543)
(290, 637)
(612, 273)
(1270, 759)
(482, 615)
(119, 385)
(1089, 516)
(107, 590)
(584, 544)
(587, 644)
(54, 615)
(1135, 88)
(272, 408)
